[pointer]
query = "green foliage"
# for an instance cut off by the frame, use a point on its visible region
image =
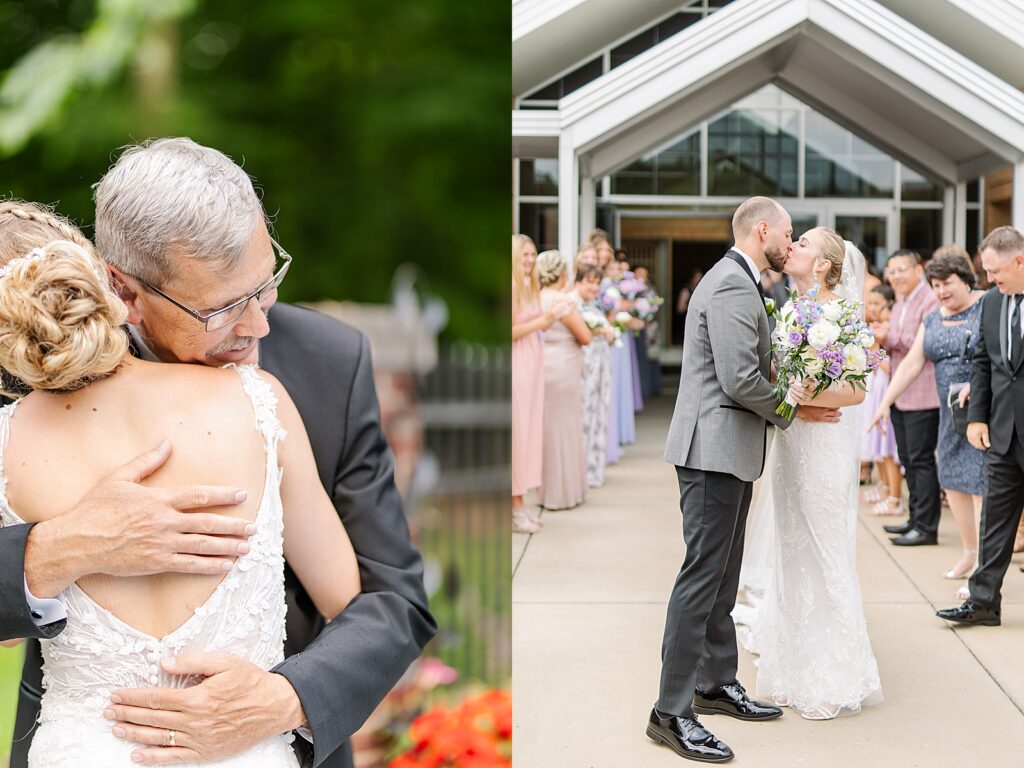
(378, 131)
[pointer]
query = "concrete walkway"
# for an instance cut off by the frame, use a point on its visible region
(589, 594)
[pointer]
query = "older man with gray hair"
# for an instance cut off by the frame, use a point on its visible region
(186, 240)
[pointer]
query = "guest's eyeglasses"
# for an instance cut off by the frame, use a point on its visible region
(265, 295)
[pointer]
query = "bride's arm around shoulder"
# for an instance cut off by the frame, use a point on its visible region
(316, 545)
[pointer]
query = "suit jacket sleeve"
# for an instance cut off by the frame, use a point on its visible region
(979, 406)
(16, 618)
(733, 333)
(357, 658)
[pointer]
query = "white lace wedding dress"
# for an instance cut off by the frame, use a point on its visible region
(809, 628)
(98, 653)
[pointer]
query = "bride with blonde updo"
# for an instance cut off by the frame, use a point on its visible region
(87, 407)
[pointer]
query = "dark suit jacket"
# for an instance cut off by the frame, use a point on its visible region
(997, 388)
(345, 668)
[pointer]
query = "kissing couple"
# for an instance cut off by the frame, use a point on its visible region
(810, 632)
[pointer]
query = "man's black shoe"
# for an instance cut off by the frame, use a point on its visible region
(900, 529)
(969, 613)
(687, 737)
(732, 700)
(914, 539)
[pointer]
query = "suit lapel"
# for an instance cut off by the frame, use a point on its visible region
(1002, 333)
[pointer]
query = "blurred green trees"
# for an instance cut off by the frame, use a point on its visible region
(378, 131)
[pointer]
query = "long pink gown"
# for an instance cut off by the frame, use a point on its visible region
(527, 406)
(564, 477)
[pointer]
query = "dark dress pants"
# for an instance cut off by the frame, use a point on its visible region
(1000, 514)
(699, 648)
(917, 436)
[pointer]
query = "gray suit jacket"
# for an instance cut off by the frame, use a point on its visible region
(725, 395)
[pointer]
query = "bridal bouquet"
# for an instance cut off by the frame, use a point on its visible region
(826, 343)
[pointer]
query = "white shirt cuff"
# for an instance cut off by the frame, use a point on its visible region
(46, 610)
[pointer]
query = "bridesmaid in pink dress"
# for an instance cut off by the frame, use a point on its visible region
(528, 323)
(564, 477)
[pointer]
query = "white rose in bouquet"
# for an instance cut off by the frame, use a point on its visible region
(813, 365)
(833, 311)
(822, 333)
(623, 318)
(854, 359)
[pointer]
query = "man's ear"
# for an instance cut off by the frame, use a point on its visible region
(127, 289)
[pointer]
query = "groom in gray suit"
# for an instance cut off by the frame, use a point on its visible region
(717, 443)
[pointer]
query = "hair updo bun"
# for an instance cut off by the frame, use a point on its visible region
(833, 250)
(60, 324)
(550, 268)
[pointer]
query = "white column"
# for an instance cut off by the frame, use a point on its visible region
(568, 201)
(948, 214)
(1017, 203)
(960, 214)
(588, 207)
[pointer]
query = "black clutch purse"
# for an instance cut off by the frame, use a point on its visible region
(958, 413)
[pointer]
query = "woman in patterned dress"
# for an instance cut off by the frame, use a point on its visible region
(946, 338)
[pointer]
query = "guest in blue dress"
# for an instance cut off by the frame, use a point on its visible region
(946, 338)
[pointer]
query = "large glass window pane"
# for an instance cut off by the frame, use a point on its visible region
(921, 230)
(917, 187)
(753, 152)
(538, 177)
(674, 170)
(540, 222)
(868, 233)
(840, 164)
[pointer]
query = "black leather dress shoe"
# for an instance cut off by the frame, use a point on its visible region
(914, 539)
(732, 700)
(969, 613)
(687, 737)
(898, 529)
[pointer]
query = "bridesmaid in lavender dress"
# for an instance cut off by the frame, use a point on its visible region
(564, 471)
(528, 324)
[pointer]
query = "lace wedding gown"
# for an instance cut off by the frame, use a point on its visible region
(809, 628)
(98, 653)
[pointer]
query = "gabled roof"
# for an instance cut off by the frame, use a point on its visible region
(864, 66)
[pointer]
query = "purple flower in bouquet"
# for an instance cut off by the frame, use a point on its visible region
(630, 287)
(642, 306)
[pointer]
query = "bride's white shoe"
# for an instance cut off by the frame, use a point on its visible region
(822, 712)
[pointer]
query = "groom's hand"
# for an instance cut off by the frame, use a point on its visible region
(237, 706)
(124, 528)
(815, 414)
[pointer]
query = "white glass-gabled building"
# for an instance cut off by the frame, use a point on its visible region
(900, 123)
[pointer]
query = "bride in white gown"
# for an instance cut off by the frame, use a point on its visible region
(92, 407)
(809, 628)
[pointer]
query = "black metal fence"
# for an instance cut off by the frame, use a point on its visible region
(461, 496)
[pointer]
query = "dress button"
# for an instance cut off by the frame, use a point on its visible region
(154, 679)
(153, 657)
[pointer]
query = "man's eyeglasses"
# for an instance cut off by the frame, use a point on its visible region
(265, 295)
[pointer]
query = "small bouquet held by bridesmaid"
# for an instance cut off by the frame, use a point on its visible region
(595, 320)
(825, 343)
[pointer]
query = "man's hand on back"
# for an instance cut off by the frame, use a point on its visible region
(124, 528)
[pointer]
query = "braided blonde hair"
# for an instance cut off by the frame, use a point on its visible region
(60, 324)
(24, 226)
